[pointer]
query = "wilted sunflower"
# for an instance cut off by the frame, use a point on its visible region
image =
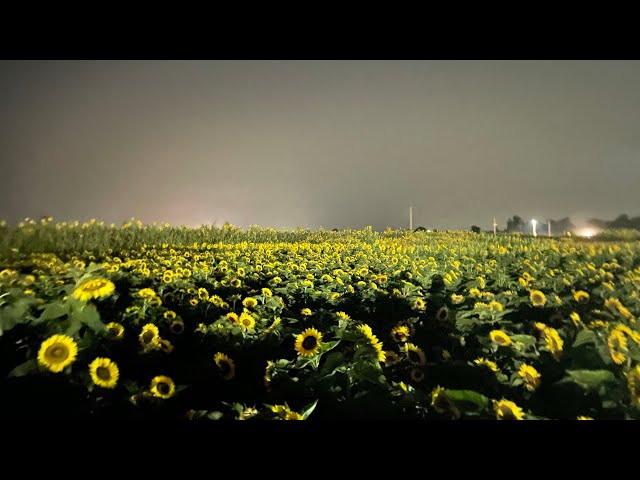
(500, 338)
(538, 298)
(56, 352)
(415, 354)
(531, 377)
(226, 366)
(308, 342)
(104, 372)
(148, 334)
(177, 326)
(443, 314)
(507, 410)
(115, 330)
(400, 333)
(246, 321)
(581, 296)
(96, 288)
(417, 375)
(164, 345)
(162, 387)
(617, 346)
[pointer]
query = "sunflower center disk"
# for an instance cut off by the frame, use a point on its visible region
(103, 373)
(309, 343)
(163, 388)
(58, 352)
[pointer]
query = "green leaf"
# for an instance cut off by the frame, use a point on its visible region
(528, 340)
(308, 410)
(89, 316)
(468, 396)
(467, 324)
(24, 368)
(333, 361)
(54, 310)
(214, 415)
(591, 379)
(585, 336)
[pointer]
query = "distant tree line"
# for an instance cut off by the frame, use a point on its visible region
(559, 227)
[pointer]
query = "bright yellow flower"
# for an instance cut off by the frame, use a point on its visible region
(57, 352)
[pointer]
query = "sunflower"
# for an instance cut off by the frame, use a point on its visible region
(162, 387)
(415, 354)
(365, 330)
(97, 288)
(442, 403)
(500, 338)
(246, 321)
(343, 316)
(273, 325)
(233, 317)
(487, 363)
(554, 342)
(249, 302)
(169, 315)
(291, 415)
(308, 342)
(115, 330)
(400, 333)
(537, 298)
(507, 410)
(575, 318)
(104, 372)
(56, 352)
(633, 383)
(177, 326)
(165, 345)
(419, 304)
(443, 314)
(417, 375)
(226, 366)
(203, 294)
(531, 377)
(582, 417)
(235, 282)
(267, 293)
(193, 302)
(306, 312)
(148, 334)
(581, 296)
(617, 346)
(457, 299)
(391, 358)
(146, 293)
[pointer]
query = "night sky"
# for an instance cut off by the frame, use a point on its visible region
(319, 143)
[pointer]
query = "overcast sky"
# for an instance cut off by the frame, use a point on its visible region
(319, 143)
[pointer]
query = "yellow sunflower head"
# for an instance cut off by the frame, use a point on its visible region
(487, 363)
(530, 376)
(306, 312)
(104, 372)
(162, 387)
(267, 293)
(457, 299)
(507, 410)
(617, 346)
(419, 304)
(57, 352)
(233, 317)
(96, 288)
(391, 358)
(115, 330)
(415, 354)
(554, 342)
(249, 302)
(538, 298)
(581, 296)
(308, 343)
(500, 338)
(400, 333)
(148, 334)
(169, 315)
(343, 316)
(246, 321)
(443, 404)
(226, 366)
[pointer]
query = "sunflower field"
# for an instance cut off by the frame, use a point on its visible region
(204, 324)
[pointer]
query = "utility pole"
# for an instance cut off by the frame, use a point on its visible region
(534, 222)
(411, 218)
(549, 227)
(494, 226)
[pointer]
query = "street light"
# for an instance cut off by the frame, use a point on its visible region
(534, 222)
